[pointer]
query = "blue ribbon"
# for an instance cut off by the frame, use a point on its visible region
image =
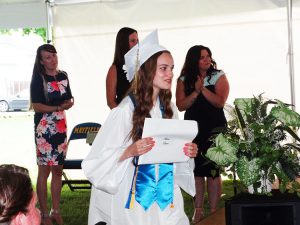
(148, 190)
(165, 185)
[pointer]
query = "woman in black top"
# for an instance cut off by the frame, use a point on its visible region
(116, 81)
(50, 97)
(202, 91)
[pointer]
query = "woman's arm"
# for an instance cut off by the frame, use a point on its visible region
(67, 104)
(102, 165)
(218, 99)
(111, 87)
(184, 102)
(144, 145)
(43, 108)
(138, 148)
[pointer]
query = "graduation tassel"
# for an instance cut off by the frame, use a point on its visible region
(132, 200)
(131, 197)
(172, 205)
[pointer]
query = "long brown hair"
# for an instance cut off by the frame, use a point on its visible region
(16, 191)
(143, 91)
(39, 69)
(190, 69)
(122, 45)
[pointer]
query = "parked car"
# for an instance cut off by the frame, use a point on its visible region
(17, 102)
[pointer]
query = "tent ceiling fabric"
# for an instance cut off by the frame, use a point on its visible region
(109, 15)
(32, 13)
(18, 1)
(22, 13)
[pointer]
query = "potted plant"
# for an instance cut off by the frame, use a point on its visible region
(259, 143)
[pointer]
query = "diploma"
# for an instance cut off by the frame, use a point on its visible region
(170, 136)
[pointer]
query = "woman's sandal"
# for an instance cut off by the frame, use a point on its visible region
(46, 219)
(56, 216)
(198, 215)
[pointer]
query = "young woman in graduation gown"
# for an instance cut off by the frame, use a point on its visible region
(122, 192)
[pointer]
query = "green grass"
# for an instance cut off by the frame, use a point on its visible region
(74, 205)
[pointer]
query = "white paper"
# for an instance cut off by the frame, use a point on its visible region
(170, 136)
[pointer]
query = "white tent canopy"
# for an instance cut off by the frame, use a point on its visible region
(32, 13)
(22, 13)
(249, 41)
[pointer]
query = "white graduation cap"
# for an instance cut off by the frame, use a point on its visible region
(138, 54)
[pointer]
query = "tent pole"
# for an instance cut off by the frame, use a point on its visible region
(291, 53)
(49, 21)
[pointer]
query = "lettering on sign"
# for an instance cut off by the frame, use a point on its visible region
(84, 130)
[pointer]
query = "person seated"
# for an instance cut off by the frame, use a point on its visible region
(17, 198)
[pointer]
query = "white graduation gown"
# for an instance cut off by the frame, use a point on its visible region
(112, 179)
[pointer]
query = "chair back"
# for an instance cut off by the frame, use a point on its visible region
(80, 130)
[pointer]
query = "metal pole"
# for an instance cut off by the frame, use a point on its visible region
(49, 21)
(291, 53)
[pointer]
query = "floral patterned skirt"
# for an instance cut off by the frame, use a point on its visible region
(51, 139)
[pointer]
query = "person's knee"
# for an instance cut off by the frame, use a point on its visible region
(44, 172)
(56, 171)
(214, 180)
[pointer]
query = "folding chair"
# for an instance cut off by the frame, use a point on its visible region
(80, 131)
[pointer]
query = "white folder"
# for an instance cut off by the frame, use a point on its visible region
(170, 136)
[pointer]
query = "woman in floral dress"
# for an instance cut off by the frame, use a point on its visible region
(50, 96)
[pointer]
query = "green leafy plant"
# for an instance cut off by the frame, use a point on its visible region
(260, 143)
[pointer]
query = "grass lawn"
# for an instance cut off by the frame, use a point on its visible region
(74, 205)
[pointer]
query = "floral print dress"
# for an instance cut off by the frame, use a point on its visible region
(50, 128)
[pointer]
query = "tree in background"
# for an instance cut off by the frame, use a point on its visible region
(27, 31)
